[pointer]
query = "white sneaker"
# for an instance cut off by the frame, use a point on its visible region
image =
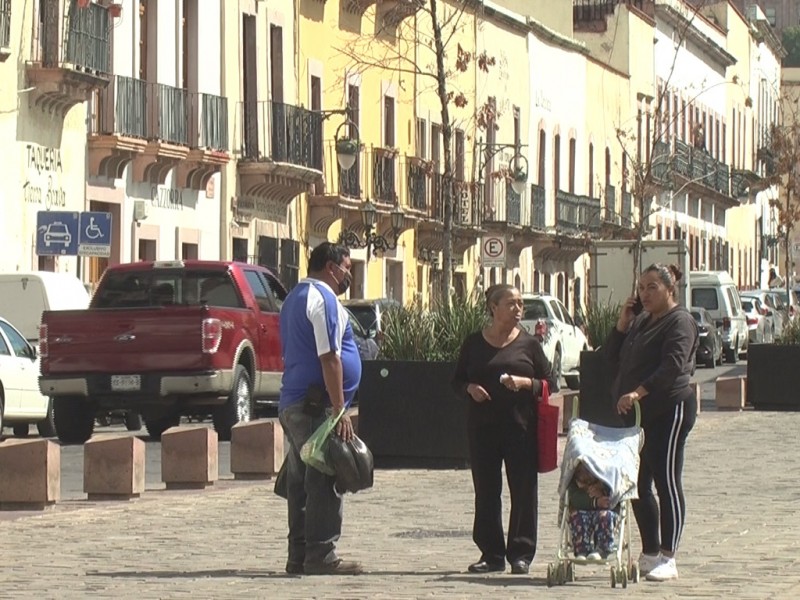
(665, 571)
(594, 557)
(648, 562)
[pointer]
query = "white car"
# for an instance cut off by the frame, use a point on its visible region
(21, 403)
(562, 339)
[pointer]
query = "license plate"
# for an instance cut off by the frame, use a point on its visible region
(126, 383)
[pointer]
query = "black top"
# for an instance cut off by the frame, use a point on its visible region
(481, 363)
(659, 356)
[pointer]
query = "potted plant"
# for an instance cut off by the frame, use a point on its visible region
(408, 414)
(347, 146)
(596, 403)
(115, 9)
(520, 175)
(772, 374)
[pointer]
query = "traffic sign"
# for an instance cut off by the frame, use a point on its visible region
(94, 236)
(493, 252)
(57, 233)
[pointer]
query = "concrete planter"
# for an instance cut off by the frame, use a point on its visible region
(773, 377)
(409, 417)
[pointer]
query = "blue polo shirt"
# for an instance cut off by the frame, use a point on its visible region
(313, 323)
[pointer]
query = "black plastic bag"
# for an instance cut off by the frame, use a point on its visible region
(352, 462)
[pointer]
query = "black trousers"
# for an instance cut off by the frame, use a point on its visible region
(492, 443)
(661, 520)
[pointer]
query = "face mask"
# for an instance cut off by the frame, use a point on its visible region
(344, 284)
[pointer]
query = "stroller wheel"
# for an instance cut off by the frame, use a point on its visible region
(623, 577)
(562, 573)
(570, 572)
(613, 577)
(635, 574)
(550, 574)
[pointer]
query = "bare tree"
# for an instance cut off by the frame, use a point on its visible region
(436, 58)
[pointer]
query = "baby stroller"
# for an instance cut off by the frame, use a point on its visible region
(611, 455)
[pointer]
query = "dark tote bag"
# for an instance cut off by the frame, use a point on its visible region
(547, 439)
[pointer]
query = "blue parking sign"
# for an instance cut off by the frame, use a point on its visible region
(94, 234)
(57, 233)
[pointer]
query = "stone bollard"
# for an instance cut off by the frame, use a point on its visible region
(113, 468)
(189, 458)
(731, 393)
(256, 449)
(695, 385)
(30, 474)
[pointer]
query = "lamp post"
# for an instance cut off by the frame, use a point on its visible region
(371, 240)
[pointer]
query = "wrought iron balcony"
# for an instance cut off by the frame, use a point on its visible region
(504, 205)
(587, 11)
(577, 213)
(70, 54)
(384, 170)
(388, 12)
(627, 207)
(660, 162)
(538, 207)
(419, 185)
(610, 214)
(208, 127)
(280, 148)
(5, 29)
(698, 166)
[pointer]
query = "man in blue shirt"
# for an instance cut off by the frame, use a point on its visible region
(322, 370)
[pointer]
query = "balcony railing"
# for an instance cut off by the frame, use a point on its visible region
(296, 135)
(538, 207)
(513, 206)
(5, 23)
(209, 121)
(739, 184)
(592, 10)
(86, 40)
(384, 168)
(627, 207)
(660, 161)
(168, 113)
(611, 215)
(576, 212)
(281, 132)
(121, 108)
(697, 165)
(418, 182)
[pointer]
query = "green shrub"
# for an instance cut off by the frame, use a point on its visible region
(790, 336)
(601, 318)
(415, 333)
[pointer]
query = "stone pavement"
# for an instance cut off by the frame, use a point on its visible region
(412, 532)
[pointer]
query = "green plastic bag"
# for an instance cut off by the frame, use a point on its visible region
(313, 452)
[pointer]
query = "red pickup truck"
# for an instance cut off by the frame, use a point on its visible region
(165, 339)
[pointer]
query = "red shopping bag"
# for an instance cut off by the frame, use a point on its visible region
(547, 438)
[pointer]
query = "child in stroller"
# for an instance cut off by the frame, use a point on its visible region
(599, 470)
(592, 520)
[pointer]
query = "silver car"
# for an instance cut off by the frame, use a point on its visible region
(759, 324)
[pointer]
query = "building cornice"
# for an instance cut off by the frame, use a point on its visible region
(676, 19)
(557, 39)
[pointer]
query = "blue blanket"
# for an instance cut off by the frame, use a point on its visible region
(610, 453)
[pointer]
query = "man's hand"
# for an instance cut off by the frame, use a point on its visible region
(344, 428)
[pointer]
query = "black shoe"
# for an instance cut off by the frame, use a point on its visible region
(294, 568)
(520, 567)
(483, 566)
(337, 567)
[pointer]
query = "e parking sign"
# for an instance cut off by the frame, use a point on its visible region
(493, 252)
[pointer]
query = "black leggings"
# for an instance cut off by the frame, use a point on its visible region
(661, 521)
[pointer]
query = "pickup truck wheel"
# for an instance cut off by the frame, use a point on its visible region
(74, 419)
(155, 427)
(239, 406)
(557, 366)
(47, 426)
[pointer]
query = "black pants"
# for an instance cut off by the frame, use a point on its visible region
(661, 521)
(490, 444)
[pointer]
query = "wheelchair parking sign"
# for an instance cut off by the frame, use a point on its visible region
(94, 234)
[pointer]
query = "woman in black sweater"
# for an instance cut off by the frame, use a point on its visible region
(653, 355)
(500, 371)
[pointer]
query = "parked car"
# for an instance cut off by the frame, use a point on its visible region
(367, 347)
(546, 317)
(710, 347)
(717, 293)
(370, 312)
(789, 302)
(21, 403)
(772, 310)
(759, 320)
(168, 339)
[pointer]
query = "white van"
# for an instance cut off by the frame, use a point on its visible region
(24, 296)
(717, 293)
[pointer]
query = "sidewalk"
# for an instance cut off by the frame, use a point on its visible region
(412, 532)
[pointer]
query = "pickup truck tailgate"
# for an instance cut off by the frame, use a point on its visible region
(126, 341)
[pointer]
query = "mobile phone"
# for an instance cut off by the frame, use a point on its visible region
(637, 307)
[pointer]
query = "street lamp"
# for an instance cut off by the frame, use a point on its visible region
(347, 147)
(519, 174)
(373, 241)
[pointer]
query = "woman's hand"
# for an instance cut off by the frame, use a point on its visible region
(515, 383)
(625, 403)
(603, 502)
(626, 315)
(477, 392)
